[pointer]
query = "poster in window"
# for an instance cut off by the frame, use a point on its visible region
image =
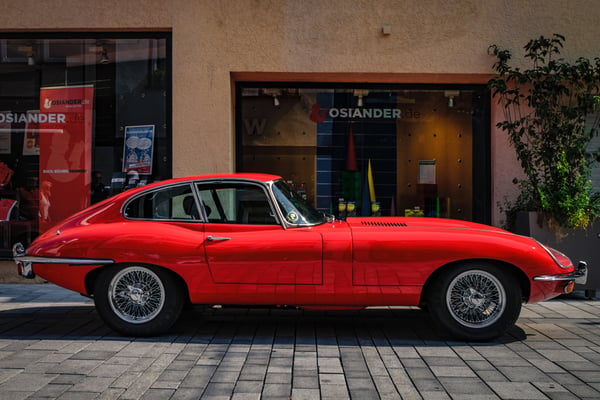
(65, 146)
(138, 149)
(427, 172)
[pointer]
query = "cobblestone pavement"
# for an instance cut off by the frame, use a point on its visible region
(53, 345)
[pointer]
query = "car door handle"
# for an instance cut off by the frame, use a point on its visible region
(216, 238)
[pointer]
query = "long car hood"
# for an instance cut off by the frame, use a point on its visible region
(416, 222)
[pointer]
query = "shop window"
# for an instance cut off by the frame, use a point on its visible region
(371, 149)
(82, 116)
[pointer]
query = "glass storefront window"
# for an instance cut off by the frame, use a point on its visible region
(82, 116)
(371, 149)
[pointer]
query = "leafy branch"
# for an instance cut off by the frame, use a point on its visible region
(546, 108)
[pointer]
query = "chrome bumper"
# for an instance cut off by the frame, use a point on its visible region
(578, 276)
(24, 262)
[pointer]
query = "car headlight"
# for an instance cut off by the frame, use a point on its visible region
(560, 258)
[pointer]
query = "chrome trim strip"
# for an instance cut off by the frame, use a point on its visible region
(20, 257)
(25, 262)
(50, 260)
(579, 275)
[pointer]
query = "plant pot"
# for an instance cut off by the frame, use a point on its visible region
(578, 244)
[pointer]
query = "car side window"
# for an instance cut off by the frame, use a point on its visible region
(236, 204)
(172, 203)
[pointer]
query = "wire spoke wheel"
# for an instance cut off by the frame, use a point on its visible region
(136, 295)
(476, 299)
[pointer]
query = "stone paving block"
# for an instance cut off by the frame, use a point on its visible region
(158, 394)
(414, 363)
(550, 387)
(92, 384)
(583, 390)
(248, 387)
(305, 394)
(428, 385)
(459, 387)
(277, 390)
(450, 371)
(279, 377)
(420, 373)
(305, 382)
(435, 395)
(517, 390)
(590, 376)
(221, 376)
(244, 396)
(26, 382)
(78, 395)
(561, 356)
(329, 365)
(524, 374)
(140, 385)
(76, 366)
(333, 385)
(491, 376)
(187, 394)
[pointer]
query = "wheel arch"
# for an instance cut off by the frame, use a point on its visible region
(92, 276)
(513, 269)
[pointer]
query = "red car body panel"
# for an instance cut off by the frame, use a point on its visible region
(358, 262)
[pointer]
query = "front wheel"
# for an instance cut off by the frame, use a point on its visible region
(138, 300)
(475, 301)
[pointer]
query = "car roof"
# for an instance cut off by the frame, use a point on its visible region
(260, 177)
(235, 175)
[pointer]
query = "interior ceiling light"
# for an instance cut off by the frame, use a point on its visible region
(104, 57)
(451, 94)
(360, 94)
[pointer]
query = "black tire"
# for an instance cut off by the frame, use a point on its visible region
(138, 300)
(475, 301)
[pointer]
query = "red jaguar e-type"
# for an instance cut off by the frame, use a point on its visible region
(249, 239)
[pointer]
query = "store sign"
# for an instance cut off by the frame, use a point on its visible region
(32, 118)
(319, 114)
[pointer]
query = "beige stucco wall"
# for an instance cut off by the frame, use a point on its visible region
(213, 38)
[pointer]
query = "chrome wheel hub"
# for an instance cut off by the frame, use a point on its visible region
(476, 299)
(136, 295)
(473, 298)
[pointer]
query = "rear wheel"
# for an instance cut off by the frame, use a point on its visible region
(475, 301)
(138, 300)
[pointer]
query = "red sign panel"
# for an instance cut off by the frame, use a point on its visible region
(65, 152)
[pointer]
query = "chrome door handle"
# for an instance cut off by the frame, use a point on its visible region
(216, 238)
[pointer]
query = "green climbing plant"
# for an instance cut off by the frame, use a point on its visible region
(551, 112)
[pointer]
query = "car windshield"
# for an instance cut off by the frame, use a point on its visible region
(294, 208)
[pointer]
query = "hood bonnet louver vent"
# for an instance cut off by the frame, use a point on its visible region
(384, 224)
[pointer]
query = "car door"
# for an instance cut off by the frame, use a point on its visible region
(245, 242)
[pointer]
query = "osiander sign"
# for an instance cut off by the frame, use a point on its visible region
(319, 114)
(32, 118)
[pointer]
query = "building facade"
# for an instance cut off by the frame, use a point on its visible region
(329, 94)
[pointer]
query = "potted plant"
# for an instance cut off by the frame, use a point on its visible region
(547, 111)
(552, 113)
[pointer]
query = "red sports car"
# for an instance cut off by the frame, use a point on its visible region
(249, 239)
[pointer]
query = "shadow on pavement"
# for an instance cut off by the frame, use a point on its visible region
(261, 325)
